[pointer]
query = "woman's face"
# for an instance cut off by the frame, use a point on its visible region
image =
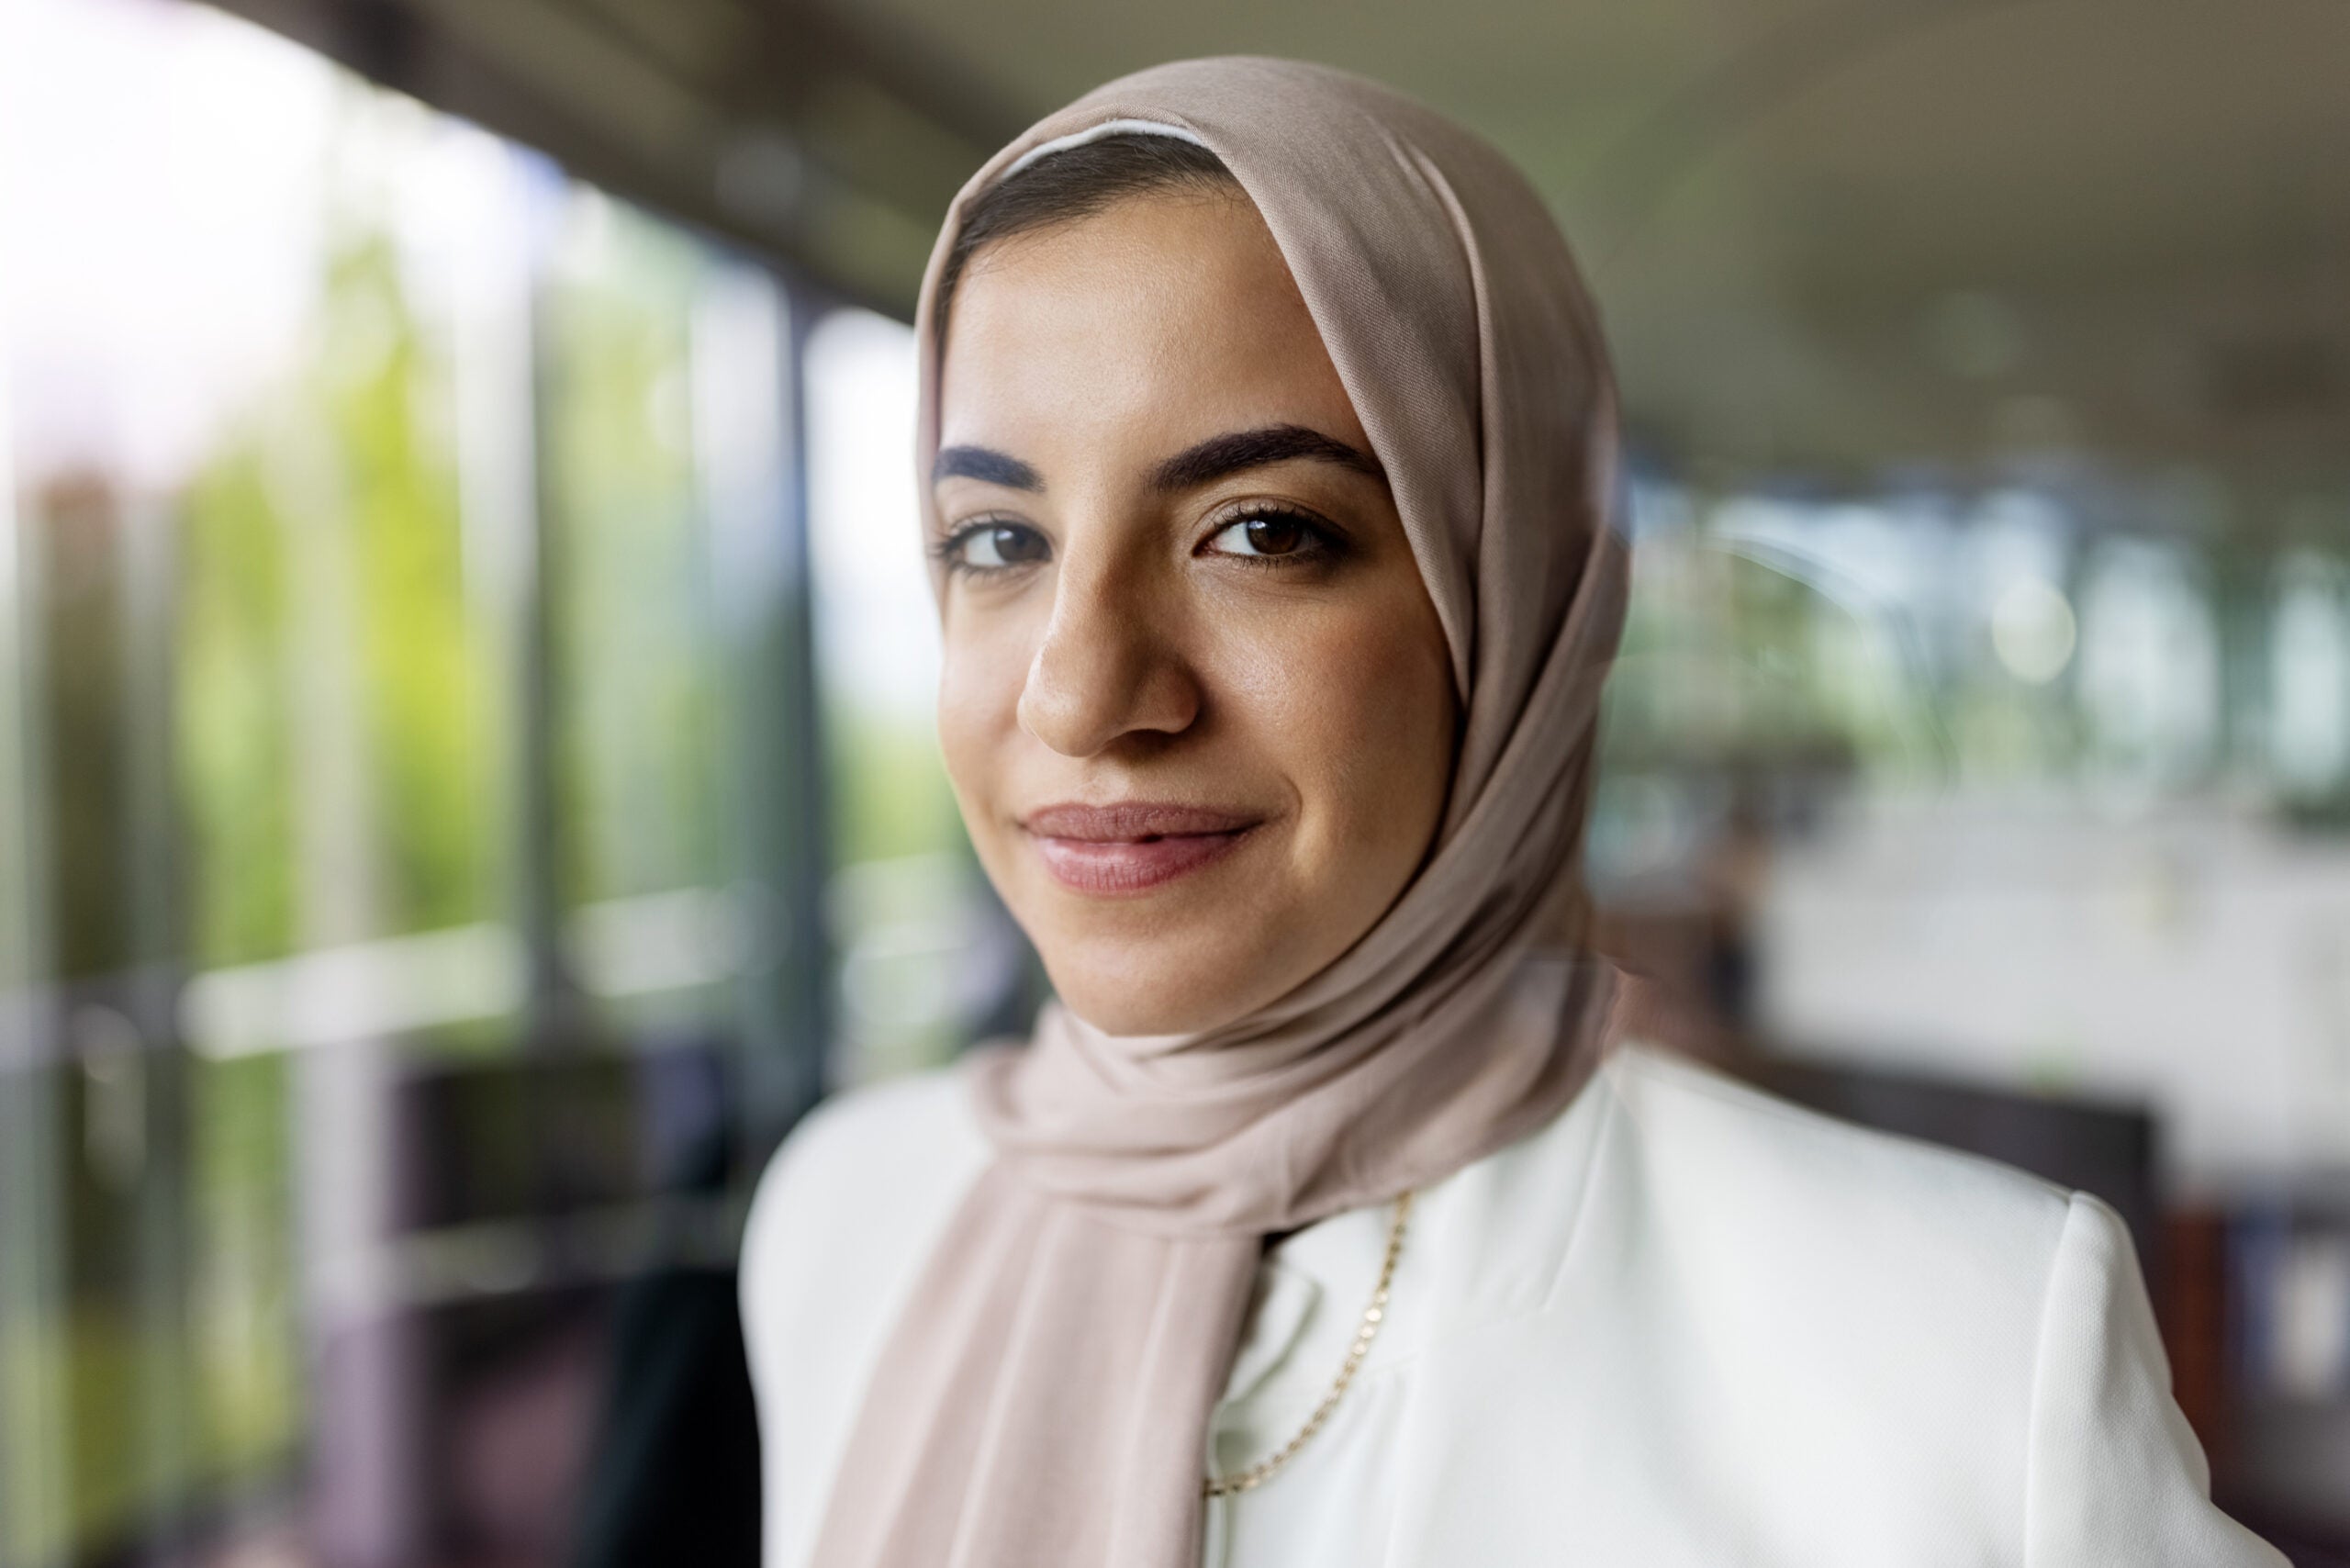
(1196, 703)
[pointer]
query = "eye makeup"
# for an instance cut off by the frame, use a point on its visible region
(1269, 535)
(989, 546)
(1260, 535)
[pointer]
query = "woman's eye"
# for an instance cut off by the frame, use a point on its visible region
(996, 546)
(1266, 535)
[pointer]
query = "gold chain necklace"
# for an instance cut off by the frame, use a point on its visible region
(1265, 1469)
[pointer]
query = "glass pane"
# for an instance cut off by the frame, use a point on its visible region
(363, 676)
(927, 956)
(637, 705)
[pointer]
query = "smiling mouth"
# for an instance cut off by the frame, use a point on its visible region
(1132, 846)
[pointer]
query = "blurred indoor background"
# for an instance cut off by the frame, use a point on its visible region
(466, 778)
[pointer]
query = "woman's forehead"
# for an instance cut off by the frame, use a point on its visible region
(1173, 310)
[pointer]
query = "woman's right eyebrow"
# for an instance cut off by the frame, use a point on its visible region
(986, 465)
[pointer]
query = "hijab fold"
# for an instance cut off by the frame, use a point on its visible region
(1044, 1397)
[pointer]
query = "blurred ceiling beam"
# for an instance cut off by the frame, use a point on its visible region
(830, 146)
(1953, 241)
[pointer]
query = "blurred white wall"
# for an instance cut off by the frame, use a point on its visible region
(2194, 958)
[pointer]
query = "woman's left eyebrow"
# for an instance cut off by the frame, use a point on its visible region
(1220, 455)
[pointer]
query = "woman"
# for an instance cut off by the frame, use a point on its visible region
(1270, 456)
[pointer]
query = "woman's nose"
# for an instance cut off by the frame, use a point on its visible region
(1105, 670)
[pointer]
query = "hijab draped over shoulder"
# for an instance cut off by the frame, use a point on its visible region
(1045, 1398)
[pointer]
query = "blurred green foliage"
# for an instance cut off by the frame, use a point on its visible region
(638, 699)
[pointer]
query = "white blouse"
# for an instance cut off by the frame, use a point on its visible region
(1684, 1325)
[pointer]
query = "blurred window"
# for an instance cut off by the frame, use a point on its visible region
(2150, 662)
(927, 957)
(406, 885)
(2309, 672)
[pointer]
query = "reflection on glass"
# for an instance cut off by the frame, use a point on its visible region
(636, 701)
(926, 954)
(2150, 670)
(382, 962)
(2309, 670)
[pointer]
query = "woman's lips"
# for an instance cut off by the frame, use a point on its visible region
(1132, 846)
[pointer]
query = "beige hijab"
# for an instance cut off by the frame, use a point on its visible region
(1045, 1398)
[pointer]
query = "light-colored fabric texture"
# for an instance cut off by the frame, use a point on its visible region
(1043, 1396)
(1682, 1326)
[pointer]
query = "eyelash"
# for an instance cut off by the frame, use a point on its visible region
(1325, 540)
(948, 551)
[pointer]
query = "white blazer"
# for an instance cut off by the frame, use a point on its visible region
(1686, 1325)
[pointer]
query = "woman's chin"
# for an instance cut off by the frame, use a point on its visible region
(1130, 998)
(1129, 1015)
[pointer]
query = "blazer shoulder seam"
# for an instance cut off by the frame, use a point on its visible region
(2040, 1370)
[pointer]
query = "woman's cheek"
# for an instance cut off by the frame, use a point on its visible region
(979, 678)
(1359, 695)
